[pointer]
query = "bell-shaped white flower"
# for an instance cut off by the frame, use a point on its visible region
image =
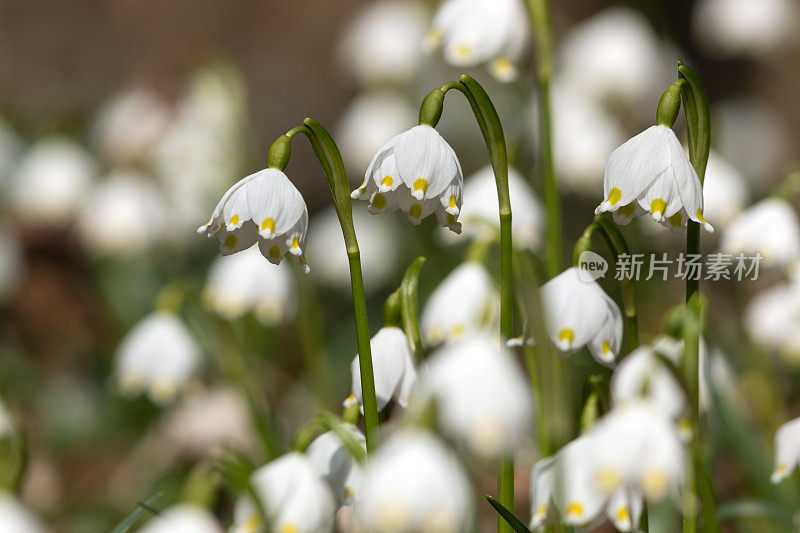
(578, 499)
(393, 368)
(12, 264)
(480, 215)
(294, 497)
(14, 517)
(51, 181)
(787, 450)
(183, 518)
(724, 191)
(480, 395)
(414, 484)
(264, 207)
(379, 240)
(773, 319)
(417, 172)
(333, 461)
(541, 491)
(770, 227)
(651, 173)
(382, 43)
(125, 215)
(159, 356)
(245, 282)
(578, 313)
(472, 32)
(465, 302)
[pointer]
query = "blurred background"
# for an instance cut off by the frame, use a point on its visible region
(122, 122)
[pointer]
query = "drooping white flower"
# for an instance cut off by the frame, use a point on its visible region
(773, 319)
(787, 450)
(244, 282)
(159, 356)
(14, 517)
(770, 227)
(264, 207)
(382, 43)
(11, 264)
(393, 369)
(465, 302)
(651, 173)
(333, 461)
(125, 215)
(417, 172)
(379, 242)
(480, 395)
(578, 313)
(51, 181)
(480, 218)
(183, 518)
(755, 27)
(369, 119)
(293, 495)
(415, 484)
(724, 191)
(472, 32)
(541, 491)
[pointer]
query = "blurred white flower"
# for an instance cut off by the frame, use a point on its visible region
(578, 313)
(769, 227)
(418, 172)
(379, 242)
(756, 27)
(651, 173)
(267, 205)
(183, 518)
(616, 36)
(480, 395)
(51, 182)
(124, 215)
(414, 484)
(724, 191)
(129, 125)
(472, 32)
(383, 42)
(333, 461)
(787, 450)
(294, 497)
(480, 218)
(393, 368)
(15, 518)
(244, 282)
(465, 302)
(369, 119)
(159, 356)
(12, 264)
(772, 319)
(541, 491)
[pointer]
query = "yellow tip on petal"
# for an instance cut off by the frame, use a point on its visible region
(415, 211)
(289, 528)
(658, 206)
(268, 224)
(614, 196)
(566, 335)
(234, 220)
(700, 216)
(627, 210)
(252, 525)
(541, 511)
(296, 243)
(463, 52)
(623, 515)
(348, 493)
(676, 220)
(387, 181)
(452, 202)
(608, 480)
(421, 185)
(606, 348)
(230, 242)
(574, 509)
(378, 201)
(655, 484)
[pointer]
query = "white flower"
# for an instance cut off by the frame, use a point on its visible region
(183, 518)
(480, 218)
(652, 174)
(379, 242)
(124, 215)
(12, 264)
(756, 27)
(472, 32)
(415, 484)
(787, 450)
(129, 125)
(773, 319)
(393, 368)
(369, 119)
(264, 207)
(541, 491)
(333, 461)
(770, 227)
(724, 190)
(51, 181)
(158, 355)
(418, 172)
(245, 282)
(466, 301)
(579, 313)
(293, 495)
(382, 43)
(480, 395)
(15, 518)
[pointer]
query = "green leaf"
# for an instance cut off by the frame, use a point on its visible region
(515, 523)
(755, 509)
(144, 508)
(409, 307)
